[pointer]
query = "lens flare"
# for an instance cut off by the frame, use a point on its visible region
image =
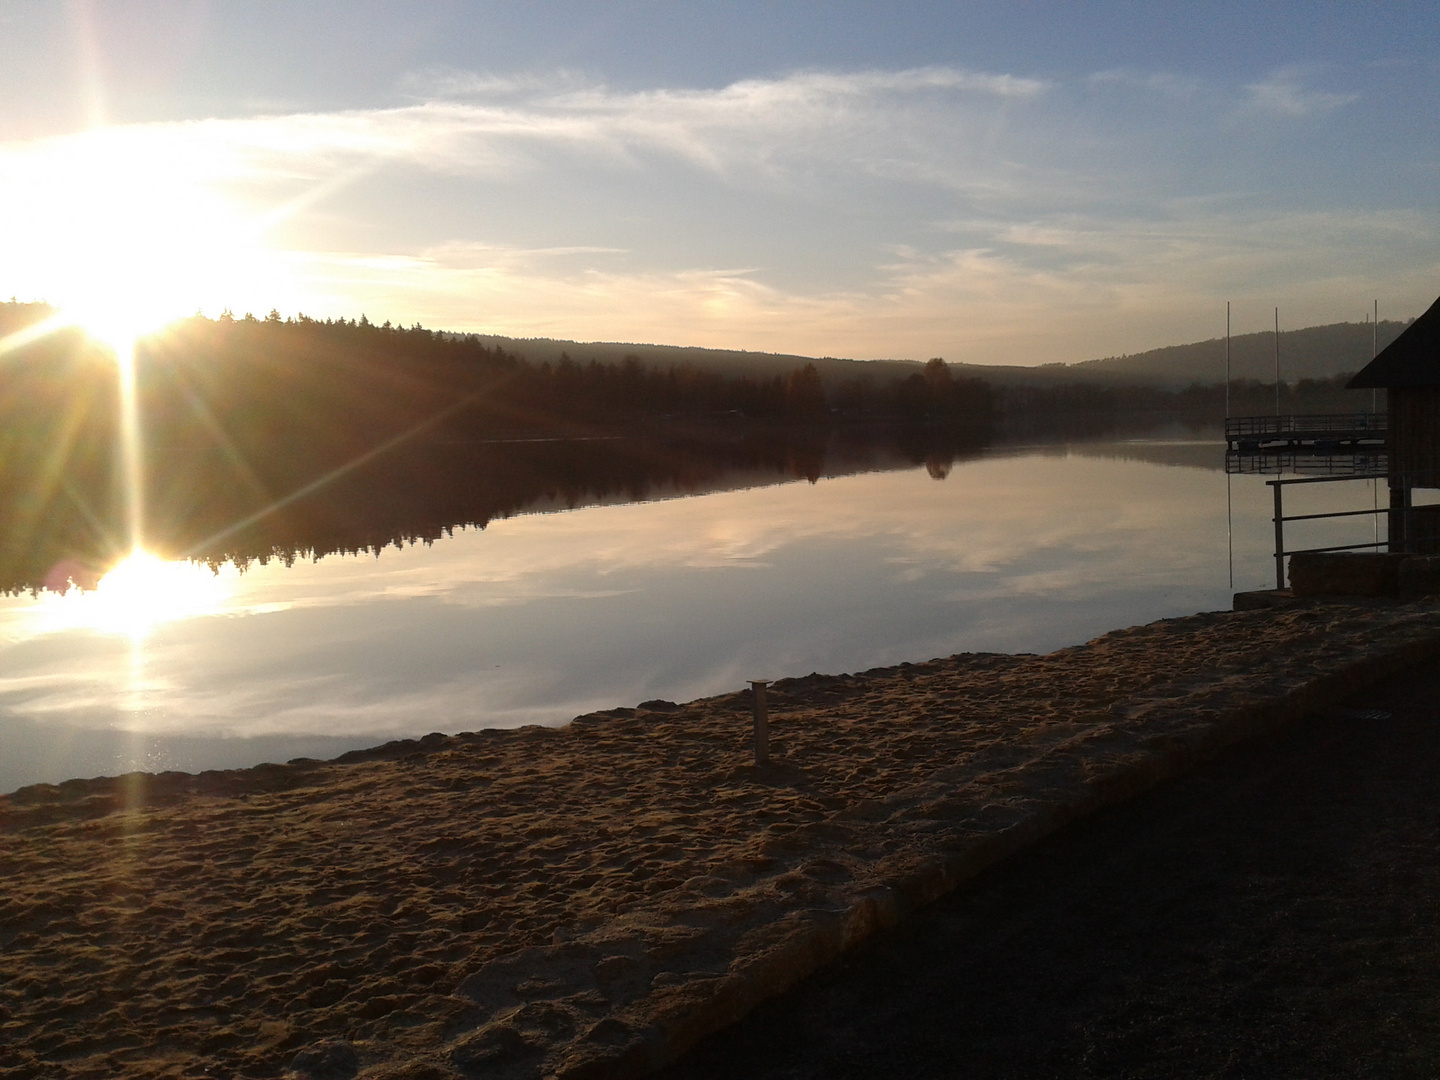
(125, 229)
(131, 453)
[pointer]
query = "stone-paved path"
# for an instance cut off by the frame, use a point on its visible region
(1276, 914)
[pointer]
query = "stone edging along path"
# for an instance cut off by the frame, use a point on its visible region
(588, 902)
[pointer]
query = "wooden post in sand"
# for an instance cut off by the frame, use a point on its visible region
(762, 723)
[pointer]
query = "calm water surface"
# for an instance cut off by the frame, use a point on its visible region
(542, 616)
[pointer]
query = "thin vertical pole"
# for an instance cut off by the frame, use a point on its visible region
(762, 723)
(1375, 505)
(1277, 363)
(1229, 529)
(1279, 535)
(1227, 364)
(1375, 407)
(1229, 510)
(1374, 352)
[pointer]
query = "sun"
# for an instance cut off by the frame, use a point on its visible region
(115, 324)
(126, 229)
(144, 590)
(137, 595)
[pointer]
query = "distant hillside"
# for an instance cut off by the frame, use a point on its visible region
(833, 370)
(1315, 352)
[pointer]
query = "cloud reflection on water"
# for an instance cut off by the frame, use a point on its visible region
(538, 618)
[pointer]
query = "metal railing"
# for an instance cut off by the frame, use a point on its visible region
(1309, 462)
(1278, 487)
(1362, 425)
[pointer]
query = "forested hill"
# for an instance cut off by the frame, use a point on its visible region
(1315, 352)
(732, 362)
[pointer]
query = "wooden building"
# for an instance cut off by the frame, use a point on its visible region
(1408, 370)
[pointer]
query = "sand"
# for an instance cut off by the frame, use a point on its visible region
(1269, 915)
(590, 901)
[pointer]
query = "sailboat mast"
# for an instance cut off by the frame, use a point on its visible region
(1277, 361)
(1374, 352)
(1227, 359)
(1375, 407)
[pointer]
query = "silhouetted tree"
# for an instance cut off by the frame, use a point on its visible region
(805, 395)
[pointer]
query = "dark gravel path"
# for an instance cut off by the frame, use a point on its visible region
(1276, 914)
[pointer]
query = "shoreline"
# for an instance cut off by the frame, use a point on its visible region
(589, 901)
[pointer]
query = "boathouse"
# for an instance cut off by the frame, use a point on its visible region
(1408, 370)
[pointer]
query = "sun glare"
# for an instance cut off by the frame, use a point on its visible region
(125, 230)
(139, 594)
(117, 326)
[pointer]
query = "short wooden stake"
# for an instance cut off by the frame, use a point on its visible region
(762, 722)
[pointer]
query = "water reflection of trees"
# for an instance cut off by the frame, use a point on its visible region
(285, 439)
(267, 439)
(209, 505)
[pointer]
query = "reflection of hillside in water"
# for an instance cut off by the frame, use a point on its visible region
(1191, 454)
(1142, 439)
(211, 507)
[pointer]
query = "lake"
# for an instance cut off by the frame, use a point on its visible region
(567, 599)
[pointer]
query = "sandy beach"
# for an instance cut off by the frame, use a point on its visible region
(590, 901)
(1269, 914)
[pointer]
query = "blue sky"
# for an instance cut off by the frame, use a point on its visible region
(990, 182)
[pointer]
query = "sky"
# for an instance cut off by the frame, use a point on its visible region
(991, 182)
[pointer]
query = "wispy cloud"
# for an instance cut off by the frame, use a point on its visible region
(1069, 287)
(486, 125)
(1167, 83)
(557, 87)
(926, 211)
(1285, 93)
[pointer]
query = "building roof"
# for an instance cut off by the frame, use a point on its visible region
(1412, 359)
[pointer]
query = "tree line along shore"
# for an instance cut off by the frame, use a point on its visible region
(313, 385)
(406, 432)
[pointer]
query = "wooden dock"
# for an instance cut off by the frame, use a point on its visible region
(1333, 444)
